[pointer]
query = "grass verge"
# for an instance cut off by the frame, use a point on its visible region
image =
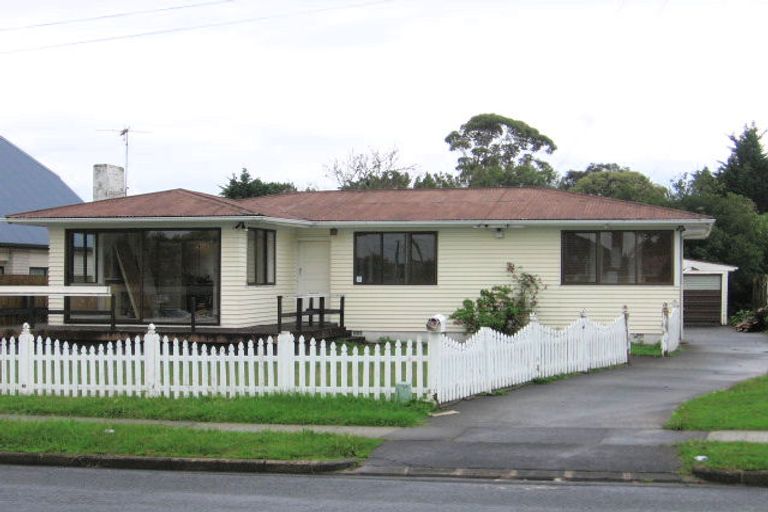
(724, 455)
(286, 408)
(645, 350)
(84, 438)
(741, 407)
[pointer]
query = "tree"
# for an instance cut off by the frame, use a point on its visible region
(622, 184)
(372, 170)
(245, 186)
(500, 151)
(746, 170)
(739, 236)
(571, 177)
(436, 180)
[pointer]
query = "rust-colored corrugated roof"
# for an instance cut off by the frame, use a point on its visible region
(486, 204)
(168, 203)
(489, 204)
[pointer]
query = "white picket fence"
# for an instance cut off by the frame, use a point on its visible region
(490, 360)
(670, 327)
(438, 368)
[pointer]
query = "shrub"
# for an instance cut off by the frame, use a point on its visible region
(504, 308)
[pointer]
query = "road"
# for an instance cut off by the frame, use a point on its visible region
(605, 421)
(37, 489)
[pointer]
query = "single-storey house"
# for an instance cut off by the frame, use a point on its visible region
(397, 256)
(705, 292)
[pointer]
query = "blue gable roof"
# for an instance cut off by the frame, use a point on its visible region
(26, 184)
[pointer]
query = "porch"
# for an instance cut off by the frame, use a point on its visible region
(309, 316)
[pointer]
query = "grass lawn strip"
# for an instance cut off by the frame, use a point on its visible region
(85, 438)
(291, 409)
(645, 350)
(724, 455)
(741, 407)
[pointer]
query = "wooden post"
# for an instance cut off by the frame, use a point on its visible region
(435, 330)
(112, 313)
(279, 313)
(29, 306)
(193, 319)
(151, 356)
(625, 312)
(26, 350)
(322, 312)
(299, 312)
(285, 359)
(341, 311)
(311, 307)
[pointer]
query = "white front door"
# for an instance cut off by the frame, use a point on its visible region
(314, 268)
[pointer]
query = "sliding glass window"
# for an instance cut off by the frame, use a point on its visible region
(158, 276)
(617, 257)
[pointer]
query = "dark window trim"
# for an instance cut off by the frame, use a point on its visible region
(266, 258)
(381, 246)
(68, 254)
(598, 256)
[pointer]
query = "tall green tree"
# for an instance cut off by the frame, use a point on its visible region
(436, 180)
(739, 236)
(244, 186)
(501, 151)
(621, 184)
(373, 170)
(568, 181)
(746, 170)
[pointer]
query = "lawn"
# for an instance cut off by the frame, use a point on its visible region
(741, 407)
(644, 350)
(279, 408)
(722, 455)
(86, 438)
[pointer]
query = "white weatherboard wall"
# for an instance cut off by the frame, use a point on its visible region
(243, 304)
(56, 262)
(470, 259)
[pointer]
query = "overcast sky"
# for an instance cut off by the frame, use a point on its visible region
(655, 85)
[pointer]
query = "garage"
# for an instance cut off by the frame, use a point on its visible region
(705, 293)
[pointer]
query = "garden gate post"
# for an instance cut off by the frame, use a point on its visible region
(625, 314)
(285, 357)
(584, 341)
(435, 329)
(151, 357)
(26, 350)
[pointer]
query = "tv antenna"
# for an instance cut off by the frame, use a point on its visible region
(124, 133)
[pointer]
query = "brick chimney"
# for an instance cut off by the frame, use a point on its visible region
(108, 181)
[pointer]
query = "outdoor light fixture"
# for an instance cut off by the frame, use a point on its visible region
(240, 225)
(334, 231)
(498, 232)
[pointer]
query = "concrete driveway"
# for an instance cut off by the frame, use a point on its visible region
(609, 421)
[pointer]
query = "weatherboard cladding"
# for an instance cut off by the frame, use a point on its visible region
(487, 204)
(26, 184)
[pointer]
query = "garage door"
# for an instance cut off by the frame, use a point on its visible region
(702, 299)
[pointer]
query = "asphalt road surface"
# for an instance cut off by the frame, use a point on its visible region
(33, 489)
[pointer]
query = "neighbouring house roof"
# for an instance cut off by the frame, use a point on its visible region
(26, 184)
(420, 205)
(705, 267)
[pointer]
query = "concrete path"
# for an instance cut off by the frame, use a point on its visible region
(608, 421)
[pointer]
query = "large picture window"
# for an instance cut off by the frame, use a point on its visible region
(396, 258)
(158, 275)
(261, 256)
(617, 257)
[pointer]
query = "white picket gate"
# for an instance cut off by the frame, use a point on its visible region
(438, 368)
(490, 360)
(670, 327)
